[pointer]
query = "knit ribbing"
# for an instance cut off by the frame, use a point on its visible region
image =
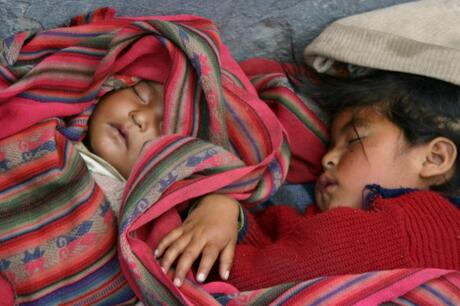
(434, 228)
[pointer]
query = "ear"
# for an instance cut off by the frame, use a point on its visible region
(440, 157)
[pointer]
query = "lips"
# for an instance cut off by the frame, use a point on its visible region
(326, 183)
(121, 133)
(324, 191)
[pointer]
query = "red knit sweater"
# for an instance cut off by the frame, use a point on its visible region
(416, 229)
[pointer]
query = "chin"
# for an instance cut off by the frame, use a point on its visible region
(323, 206)
(332, 205)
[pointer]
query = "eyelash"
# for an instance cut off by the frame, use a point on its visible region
(354, 140)
(138, 95)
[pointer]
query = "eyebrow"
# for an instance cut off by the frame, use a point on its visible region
(355, 121)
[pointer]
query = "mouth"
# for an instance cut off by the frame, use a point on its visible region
(324, 191)
(120, 133)
(326, 183)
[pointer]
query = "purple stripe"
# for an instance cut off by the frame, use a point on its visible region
(72, 34)
(244, 130)
(5, 76)
(86, 51)
(98, 278)
(39, 52)
(346, 285)
(241, 184)
(48, 99)
(438, 294)
(295, 290)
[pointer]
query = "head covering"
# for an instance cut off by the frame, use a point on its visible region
(420, 37)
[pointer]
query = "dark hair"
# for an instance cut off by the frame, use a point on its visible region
(424, 108)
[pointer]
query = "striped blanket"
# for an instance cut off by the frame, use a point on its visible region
(60, 241)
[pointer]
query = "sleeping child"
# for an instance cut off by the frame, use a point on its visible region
(122, 121)
(120, 124)
(61, 240)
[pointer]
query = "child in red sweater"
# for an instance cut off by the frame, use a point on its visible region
(393, 130)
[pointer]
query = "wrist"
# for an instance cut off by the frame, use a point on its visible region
(242, 224)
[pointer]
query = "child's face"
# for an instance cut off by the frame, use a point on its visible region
(123, 121)
(366, 148)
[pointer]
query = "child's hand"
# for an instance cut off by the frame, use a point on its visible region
(210, 229)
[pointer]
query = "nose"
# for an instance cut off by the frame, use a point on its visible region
(329, 160)
(146, 119)
(140, 119)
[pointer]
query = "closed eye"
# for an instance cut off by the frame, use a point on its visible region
(138, 95)
(354, 140)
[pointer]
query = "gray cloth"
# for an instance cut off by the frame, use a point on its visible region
(421, 37)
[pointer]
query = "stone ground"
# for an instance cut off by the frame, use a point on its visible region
(251, 28)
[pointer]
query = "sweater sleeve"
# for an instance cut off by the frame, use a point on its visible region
(417, 229)
(6, 291)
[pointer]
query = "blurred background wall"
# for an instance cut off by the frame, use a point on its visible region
(277, 29)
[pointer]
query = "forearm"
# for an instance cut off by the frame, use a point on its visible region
(297, 248)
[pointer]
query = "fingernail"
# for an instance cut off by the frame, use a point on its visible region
(200, 277)
(163, 269)
(155, 253)
(177, 282)
(226, 274)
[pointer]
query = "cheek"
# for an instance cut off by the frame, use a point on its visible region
(352, 164)
(116, 158)
(376, 167)
(353, 173)
(105, 147)
(107, 151)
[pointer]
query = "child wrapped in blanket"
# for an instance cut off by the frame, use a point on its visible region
(121, 123)
(198, 74)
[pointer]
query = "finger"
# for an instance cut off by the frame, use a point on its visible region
(168, 240)
(226, 260)
(174, 250)
(208, 258)
(186, 260)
